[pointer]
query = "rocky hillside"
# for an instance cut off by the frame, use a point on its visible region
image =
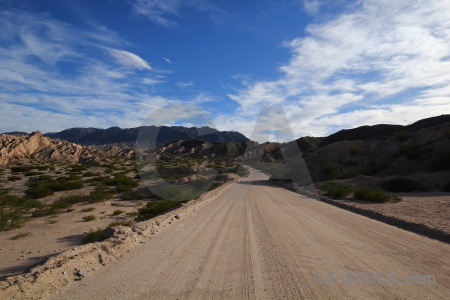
(128, 136)
(380, 150)
(36, 147)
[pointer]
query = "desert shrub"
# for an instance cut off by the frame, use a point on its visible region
(14, 178)
(120, 179)
(4, 191)
(126, 196)
(21, 169)
(45, 185)
(441, 161)
(91, 174)
(33, 173)
(154, 208)
(41, 178)
(63, 203)
(121, 223)
(354, 151)
(71, 176)
(118, 212)
(336, 190)
(10, 218)
(100, 194)
(376, 195)
(39, 191)
(401, 184)
(401, 135)
(446, 187)
(242, 171)
(93, 236)
(78, 168)
(214, 186)
(121, 188)
(65, 185)
(88, 209)
(89, 218)
(19, 202)
(174, 192)
(410, 152)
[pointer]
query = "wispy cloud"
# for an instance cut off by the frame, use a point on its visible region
(184, 84)
(167, 12)
(129, 59)
(384, 61)
(168, 60)
(55, 77)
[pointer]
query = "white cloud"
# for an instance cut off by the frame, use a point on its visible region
(184, 84)
(372, 60)
(48, 81)
(151, 81)
(311, 6)
(163, 12)
(128, 59)
(168, 60)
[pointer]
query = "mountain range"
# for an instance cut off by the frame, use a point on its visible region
(379, 150)
(128, 136)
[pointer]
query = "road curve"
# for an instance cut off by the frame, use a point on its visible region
(258, 241)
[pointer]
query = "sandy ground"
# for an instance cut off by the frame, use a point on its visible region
(265, 242)
(52, 235)
(430, 209)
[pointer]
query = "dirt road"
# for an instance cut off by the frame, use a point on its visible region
(264, 242)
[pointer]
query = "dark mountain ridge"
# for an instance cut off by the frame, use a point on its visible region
(165, 134)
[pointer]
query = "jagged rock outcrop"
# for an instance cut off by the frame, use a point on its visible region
(37, 148)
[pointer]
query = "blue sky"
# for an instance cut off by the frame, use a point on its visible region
(329, 64)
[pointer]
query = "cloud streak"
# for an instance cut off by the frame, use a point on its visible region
(166, 12)
(128, 59)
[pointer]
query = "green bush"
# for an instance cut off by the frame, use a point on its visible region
(33, 173)
(10, 218)
(99, 195)
(93, 236)
(403, 185)
(21, 169)
(14, 178)
(410, 152)
(174, 192)
(89, 218)
(118, 212)
(91, 174)
(78, 168)
(64, 185)
(63, 203)
(39, 191)
(378, 195)
(126, 196)
(336, 190)
(19, 202)
(401, 135)
(88, 209)
(242, 171)
(154, 208)
(354, 151)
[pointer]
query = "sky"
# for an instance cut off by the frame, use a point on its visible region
(328, 64)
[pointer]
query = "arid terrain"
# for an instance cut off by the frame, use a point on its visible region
(68, 208)
(259, 241)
